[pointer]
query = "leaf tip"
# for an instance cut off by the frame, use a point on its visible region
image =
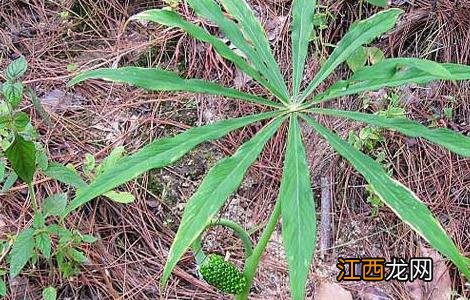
(139, 16)
(81, 77)
(73, 82)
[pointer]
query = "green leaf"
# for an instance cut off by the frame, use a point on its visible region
(375, 55)
(77, 255)
(13, 92)
(361, 33)
(210, 10)
(387, 74)
(448, 113)
(303, 12)
(72, 67)
(9, 182)
(111, 160)
(379, 3)
(38, 106)
(298, 211)
(171, 18)
(62, 232)
(21, 121)
(254, 32)
(120, 197)
(41, 158)
(21, 251)
(64, 174)
(4, 120)
(44, 244)
(22, 157)
(39, 220)
(158, 154)
(66, 268)
(161, 80)
(86, 238)
(55, 204)
(399, 198)
(49, 293)
(397, 66)
(16, 68)
(320, 22)
(89, 164)
(221, 181)
(455, 142)
(3, 288)
(2, 170)
(358, 59)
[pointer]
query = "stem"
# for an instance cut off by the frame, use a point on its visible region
(253, 261)
(239, 231)
(360, 9)
(199, 254)
(32, 196)
(196, 247)
(12, 118)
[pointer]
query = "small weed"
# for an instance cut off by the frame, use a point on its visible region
(364, 56)
(321, 19)
(370, 140)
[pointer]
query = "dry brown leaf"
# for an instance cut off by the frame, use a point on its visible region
(440, 288)
(415, 290)
(329, 290)
(373, 293)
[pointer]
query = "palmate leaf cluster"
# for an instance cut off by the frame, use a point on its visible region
(295, 105)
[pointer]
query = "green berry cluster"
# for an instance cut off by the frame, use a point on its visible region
(222, 274)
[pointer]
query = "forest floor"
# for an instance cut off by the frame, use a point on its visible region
(61, 38)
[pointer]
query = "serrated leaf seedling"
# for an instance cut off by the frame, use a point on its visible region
(21, 157)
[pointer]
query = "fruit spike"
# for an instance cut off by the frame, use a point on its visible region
(223, 275)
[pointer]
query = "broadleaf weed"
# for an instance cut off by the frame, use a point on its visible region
(21, 156)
